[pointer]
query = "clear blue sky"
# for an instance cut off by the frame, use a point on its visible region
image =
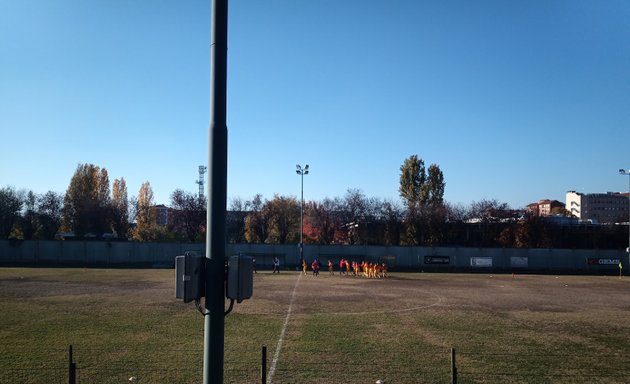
(514, 100)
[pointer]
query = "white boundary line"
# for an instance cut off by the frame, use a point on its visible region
(439, 300)
(276, 355)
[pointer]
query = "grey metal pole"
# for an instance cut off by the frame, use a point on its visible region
(263, 368)
(72, 368)
(214, 322)
(302, 171)
(626, 173)
(302, 221)
(453, 367)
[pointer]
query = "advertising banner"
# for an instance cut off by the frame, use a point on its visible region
(437, 259)
(598, 261)
(519, 262)
(483, 262)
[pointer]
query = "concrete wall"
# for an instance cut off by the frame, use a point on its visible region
(92, 253)
(162, 255)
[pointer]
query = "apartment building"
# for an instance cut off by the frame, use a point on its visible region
(611, 207)
(161, 213)
(544, 207)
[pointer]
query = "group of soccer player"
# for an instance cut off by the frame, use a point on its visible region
(348, 268)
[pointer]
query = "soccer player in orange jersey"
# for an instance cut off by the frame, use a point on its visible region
(355, 267)
(304, 266)
(377, 270)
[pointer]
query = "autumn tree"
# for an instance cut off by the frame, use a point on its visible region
(28, 223)
(283, 215)
(412, 179)
(560, 211)
(456, 213)
(434, 212)
(39, 216)
(423, 195)
(256, 222)
(120, 208)
(87, 201)
(235, 220)
(434, 187)
(49, 208)
(147, 228)
(413, 191)
(10, 207)
(527, 233)
(392, 215)
(489, 211)
(188, 215)
(321, 221)
(355, 215)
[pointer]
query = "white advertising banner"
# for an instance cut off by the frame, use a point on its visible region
(484, 262)
(519, 262)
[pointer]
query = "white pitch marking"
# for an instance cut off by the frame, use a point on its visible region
(276, 355)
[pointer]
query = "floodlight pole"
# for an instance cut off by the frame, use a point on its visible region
(302, 171)
(627, 173)
(214, 323)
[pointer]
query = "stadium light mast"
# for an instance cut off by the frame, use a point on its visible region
(214, 321)
(627, 173)
(202, 169)
(302, 171)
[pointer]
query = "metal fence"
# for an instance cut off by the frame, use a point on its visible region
(162, 255)
(472, 367)
(440, 365)
(34, 375)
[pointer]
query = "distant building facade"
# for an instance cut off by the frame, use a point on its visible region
(601, 208)
(161, 214)
(544, 207)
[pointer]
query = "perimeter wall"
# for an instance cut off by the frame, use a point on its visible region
(162, 255)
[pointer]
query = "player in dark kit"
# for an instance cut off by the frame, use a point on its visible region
(315, 266)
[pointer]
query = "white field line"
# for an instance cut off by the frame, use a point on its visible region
(438, 301)
(276, 355)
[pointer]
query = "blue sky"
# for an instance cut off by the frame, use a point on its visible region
(516, 101)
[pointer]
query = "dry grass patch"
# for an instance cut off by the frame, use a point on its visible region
(526, 329)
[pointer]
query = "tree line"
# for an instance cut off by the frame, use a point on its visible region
(90, 208)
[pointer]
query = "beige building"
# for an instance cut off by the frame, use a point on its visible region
(161, 213)
(611, 207)
(544, 207)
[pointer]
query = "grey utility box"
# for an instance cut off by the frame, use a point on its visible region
(189, 277)
(240, 283)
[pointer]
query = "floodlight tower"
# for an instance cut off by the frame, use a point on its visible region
(627, 173)
(202, 169)
(302, 171)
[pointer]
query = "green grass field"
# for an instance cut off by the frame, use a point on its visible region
(326, 329)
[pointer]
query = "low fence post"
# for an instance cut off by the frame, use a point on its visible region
(263, 367)
(72, 368)
(453, 367)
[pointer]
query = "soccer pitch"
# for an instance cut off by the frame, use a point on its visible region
(126, 324)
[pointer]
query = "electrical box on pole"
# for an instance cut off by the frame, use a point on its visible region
(240, 282)
(189, 277)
